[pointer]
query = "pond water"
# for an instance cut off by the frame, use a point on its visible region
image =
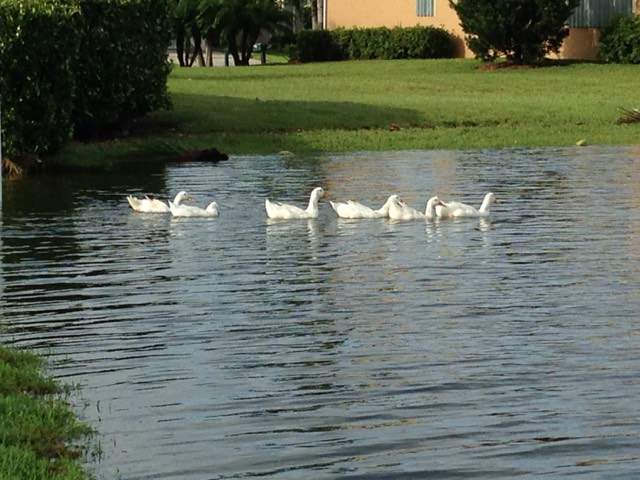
(237, 347)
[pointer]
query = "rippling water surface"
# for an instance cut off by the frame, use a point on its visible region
(237, 347)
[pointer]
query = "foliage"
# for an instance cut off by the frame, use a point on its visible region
(620, 42)
(78, 66)
(122, 64)
(374, 43)
(318, 46)
(187, 30)
(38, 46)
(523, 31)
(241, 22)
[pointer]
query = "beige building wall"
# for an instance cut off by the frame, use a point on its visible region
(581, 43)
(392, 13)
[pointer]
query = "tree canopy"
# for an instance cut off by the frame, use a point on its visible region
(236, 24)
(523, 31)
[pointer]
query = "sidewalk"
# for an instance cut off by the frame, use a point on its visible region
(218, 58)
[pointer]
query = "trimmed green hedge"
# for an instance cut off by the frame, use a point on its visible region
(80, 67)
(122, 64)
(371, 43)
(620, 42)
(38, 45)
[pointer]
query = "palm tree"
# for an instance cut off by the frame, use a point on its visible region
(242, 21)
(297, 9)
(187, 29)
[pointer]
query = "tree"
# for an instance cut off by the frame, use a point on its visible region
(317, 14)
(242, 21)
(301, 11)
(187, 30)
(523, 31)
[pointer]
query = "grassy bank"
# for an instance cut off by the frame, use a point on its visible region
(381, 105)
(37, 427)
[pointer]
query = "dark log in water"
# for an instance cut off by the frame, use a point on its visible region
(211, 155)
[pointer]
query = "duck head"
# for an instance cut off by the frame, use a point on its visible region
(212, 208)
(181, 197)
(489, 198)
(317, 193)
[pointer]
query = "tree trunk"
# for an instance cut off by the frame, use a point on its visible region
(233, 48)
(211, 41)
(314, 14)
(187, 51)
(298, 19)
(197, 47)
(209, 54)
(296, 7)
(246, 48)
(320, 18)
(180, 46)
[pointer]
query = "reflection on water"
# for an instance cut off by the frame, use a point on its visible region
(239, 347)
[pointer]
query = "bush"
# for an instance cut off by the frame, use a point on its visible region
(620, 42)
(316, 46)
(374, 43)
(122, 64)
(419, 42)
(38, 46)
(523, 32)
(78, 66)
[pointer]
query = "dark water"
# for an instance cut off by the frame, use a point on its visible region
(237, 348)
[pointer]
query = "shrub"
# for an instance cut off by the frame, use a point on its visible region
(316, 46)
(620, 42)
(38, 46)
(419, 42)
(122, 65)
(78, 65)
(374, 43)
(523, 32)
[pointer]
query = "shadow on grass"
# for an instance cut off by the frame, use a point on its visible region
(197, 113)
(236, 124)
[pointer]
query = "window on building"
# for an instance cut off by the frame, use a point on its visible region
(425, 8)
(599, 13)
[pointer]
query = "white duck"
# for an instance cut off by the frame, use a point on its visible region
(152, 205)
(191, 211)
(352, 209)
(399, 210)
(283, 211)
(459, 209)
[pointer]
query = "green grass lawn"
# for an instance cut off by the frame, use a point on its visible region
(37, 427)
(350, 106)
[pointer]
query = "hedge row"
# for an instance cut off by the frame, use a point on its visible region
(78, 67)
(38, 42)
(370, 43)
(620, 42)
